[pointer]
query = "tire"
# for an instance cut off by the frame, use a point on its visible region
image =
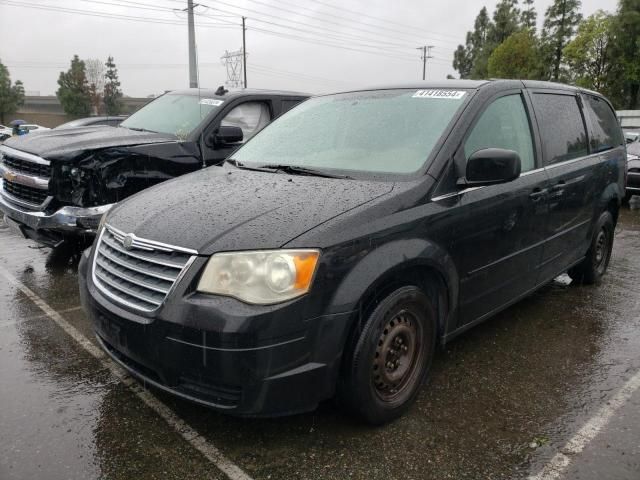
(591, 270)
(389, 361)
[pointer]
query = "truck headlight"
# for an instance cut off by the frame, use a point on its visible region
(260, 277)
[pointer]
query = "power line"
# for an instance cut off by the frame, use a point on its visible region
(150, 20)
(318, 42)
(324, 33)
(342, 10)
(341, 18)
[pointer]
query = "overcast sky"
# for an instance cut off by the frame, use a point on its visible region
(150, 45)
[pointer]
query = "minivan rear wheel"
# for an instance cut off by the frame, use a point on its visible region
(594, 266)
(390, 359)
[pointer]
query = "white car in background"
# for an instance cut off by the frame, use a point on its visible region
(5, 132)
(32, 127)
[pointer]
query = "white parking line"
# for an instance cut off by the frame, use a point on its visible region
(197, 441)
(561, 460)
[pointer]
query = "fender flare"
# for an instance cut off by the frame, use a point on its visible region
(394, 256)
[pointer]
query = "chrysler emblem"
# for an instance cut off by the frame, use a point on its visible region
(127, 241)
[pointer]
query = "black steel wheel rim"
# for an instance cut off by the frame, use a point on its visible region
(398, 356)
(601, 250)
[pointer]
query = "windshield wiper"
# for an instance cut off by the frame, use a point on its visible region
(290, 169)
(297, 170)
(139, 129)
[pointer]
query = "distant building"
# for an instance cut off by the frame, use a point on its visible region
(47, 111)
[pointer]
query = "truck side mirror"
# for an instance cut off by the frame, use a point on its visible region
(225, 135)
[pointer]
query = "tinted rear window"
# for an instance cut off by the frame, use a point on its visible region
(561, 126)
(605, 130)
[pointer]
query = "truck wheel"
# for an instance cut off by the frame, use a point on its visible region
(593, 267)
(627, 197)
(390, 359)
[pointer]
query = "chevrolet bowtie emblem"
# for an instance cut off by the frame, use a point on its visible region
(10, 176)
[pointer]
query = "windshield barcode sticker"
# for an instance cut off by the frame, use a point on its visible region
(211, 101)
(447, 94)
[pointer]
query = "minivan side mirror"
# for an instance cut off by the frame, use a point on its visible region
(490, 166)
(226, 135)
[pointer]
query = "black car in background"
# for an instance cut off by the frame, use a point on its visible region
(57, 184)
(111, 121)
(334, 250)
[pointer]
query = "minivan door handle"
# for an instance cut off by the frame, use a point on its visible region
(558, 189)
(537, 194)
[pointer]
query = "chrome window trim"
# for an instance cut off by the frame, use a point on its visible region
(454, 194)
(573, 160)
(23, 155)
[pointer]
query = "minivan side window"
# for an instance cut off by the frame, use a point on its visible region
(561, 127)
(504, 124)
(605, 130)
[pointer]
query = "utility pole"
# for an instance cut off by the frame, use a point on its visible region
(244, 51)
(193, 62)
(426, 54)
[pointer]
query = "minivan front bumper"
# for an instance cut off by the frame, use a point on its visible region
(221, 357)
(50, 228)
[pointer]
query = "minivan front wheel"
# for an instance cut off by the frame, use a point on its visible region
(390, 359)
(593, 267)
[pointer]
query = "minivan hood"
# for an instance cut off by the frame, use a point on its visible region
(56, 143)
(225, 208)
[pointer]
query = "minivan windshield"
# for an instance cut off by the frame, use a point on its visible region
(383, 131)
(173, 113)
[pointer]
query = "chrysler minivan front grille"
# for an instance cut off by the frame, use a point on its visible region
(136, 272)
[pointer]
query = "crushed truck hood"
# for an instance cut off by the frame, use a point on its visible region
(60, 143)
(224, 208)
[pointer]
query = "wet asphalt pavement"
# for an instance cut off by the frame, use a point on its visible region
(502, 399)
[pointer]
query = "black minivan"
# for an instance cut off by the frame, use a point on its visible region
(340, 245)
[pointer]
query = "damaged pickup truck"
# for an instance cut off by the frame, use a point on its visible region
(57, 185)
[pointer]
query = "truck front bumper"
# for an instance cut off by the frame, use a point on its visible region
(52, 228)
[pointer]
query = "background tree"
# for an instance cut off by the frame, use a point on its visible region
(589, 53)
(95, 77)
(528, 16)
(73, 91)
(112, 92)
(506, 21)
(560, 22)
(624, 80)
(11, 96)
(516, 57)
(467, 56)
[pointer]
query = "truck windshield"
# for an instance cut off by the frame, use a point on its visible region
(385, 131)
(172, 113)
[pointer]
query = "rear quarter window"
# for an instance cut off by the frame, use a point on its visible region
(605, 130)
(561, 127)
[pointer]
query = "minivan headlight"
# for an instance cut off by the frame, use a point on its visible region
(260, 277)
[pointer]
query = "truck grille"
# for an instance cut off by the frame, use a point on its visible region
(136, 272)
(23, 174)
(25, 166)
(32, 195)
